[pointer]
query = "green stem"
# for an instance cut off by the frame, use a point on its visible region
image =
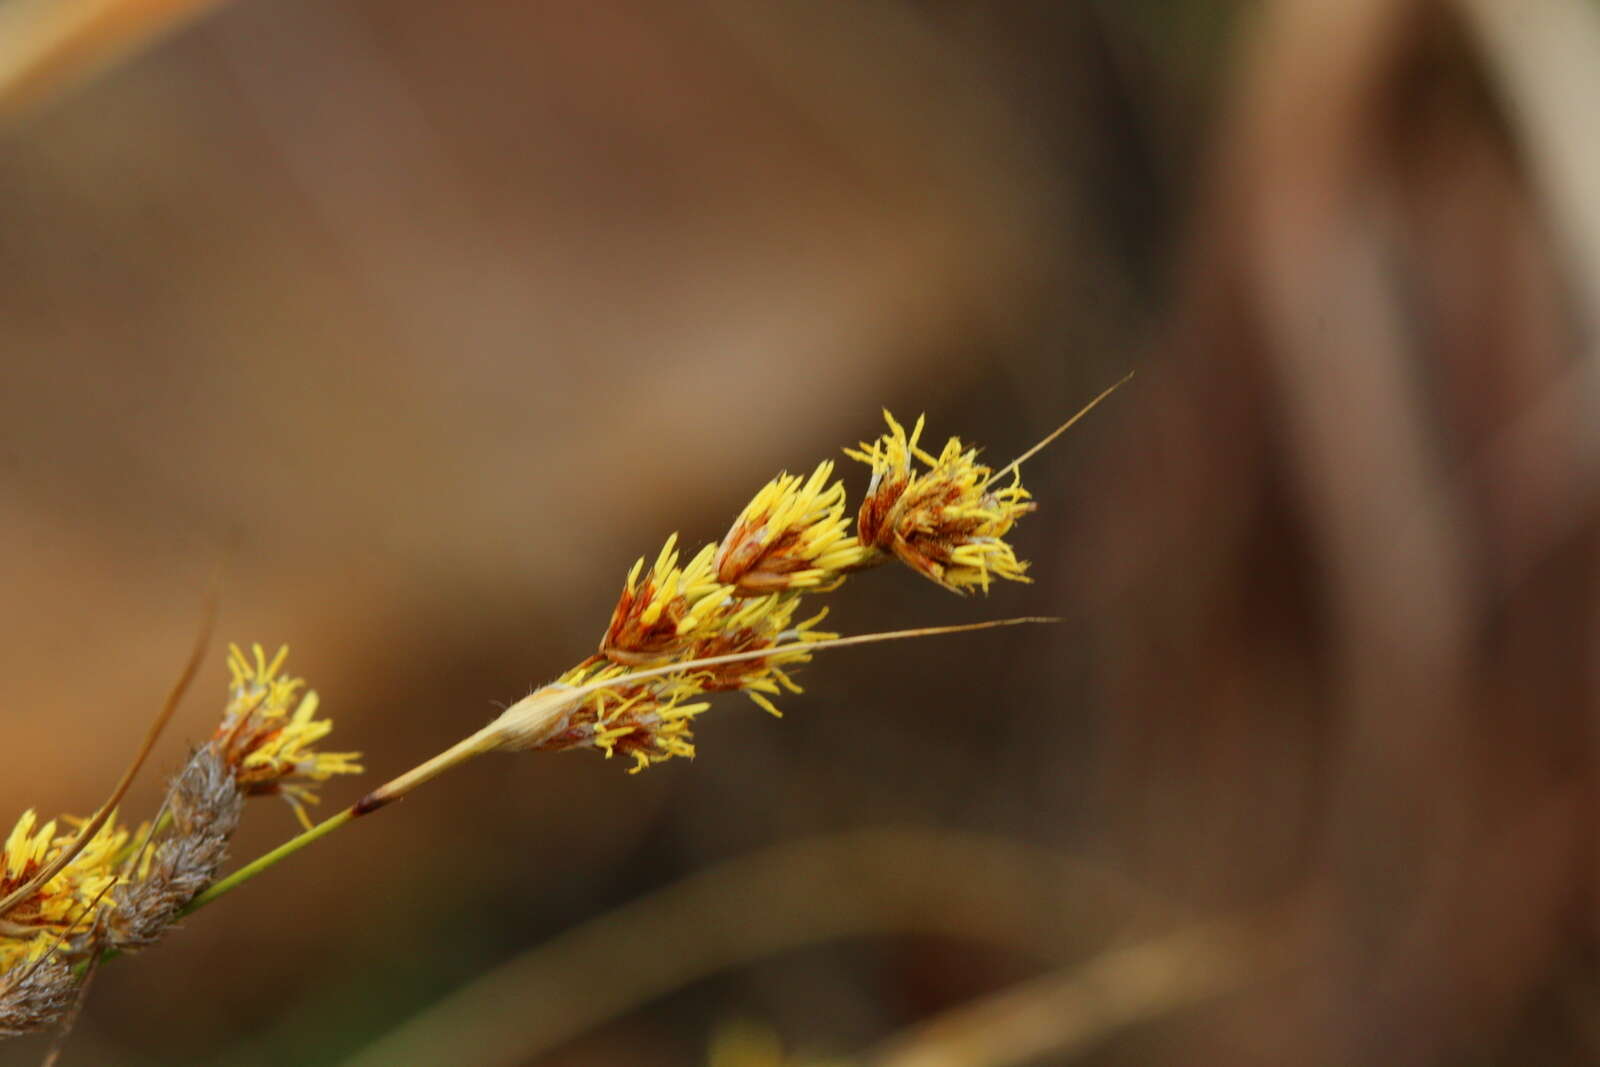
(261, 863)
(389, 792)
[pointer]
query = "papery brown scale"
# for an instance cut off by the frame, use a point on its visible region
(7, 883)
(234, 741)
(236, 751)
(916, 555)
(571, 737)
(872, 526)
(740, 551)
(754, 568)
(632, 642)
(638, 739)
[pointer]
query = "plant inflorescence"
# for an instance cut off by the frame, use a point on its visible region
(735, 616)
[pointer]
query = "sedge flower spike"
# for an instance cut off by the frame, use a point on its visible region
(656, 616)
(947, 523)
(792, 536)
(646, 721)
(69, 903)
(268, 731)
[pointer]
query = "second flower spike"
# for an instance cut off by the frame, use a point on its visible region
(792, 536)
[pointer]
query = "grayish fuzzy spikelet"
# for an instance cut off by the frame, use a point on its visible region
(36, 996)
(205, 803)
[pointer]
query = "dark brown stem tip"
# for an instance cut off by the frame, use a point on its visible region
(371, 803)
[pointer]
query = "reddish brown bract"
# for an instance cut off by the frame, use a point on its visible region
(872, 521)
(631, 640)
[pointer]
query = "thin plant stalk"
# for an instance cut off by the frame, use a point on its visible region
(539, 712)
(261, 863)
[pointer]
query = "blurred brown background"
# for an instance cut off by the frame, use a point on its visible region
(425, 321)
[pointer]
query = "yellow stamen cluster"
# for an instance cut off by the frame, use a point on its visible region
(754, 625)
(268, 731)
(793, 535)
(947, 523)
(649, 719)
(69, 903)
(740, 596)
(655, 618)
(649, 722)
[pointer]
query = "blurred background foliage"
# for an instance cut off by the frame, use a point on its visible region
(427, 320)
